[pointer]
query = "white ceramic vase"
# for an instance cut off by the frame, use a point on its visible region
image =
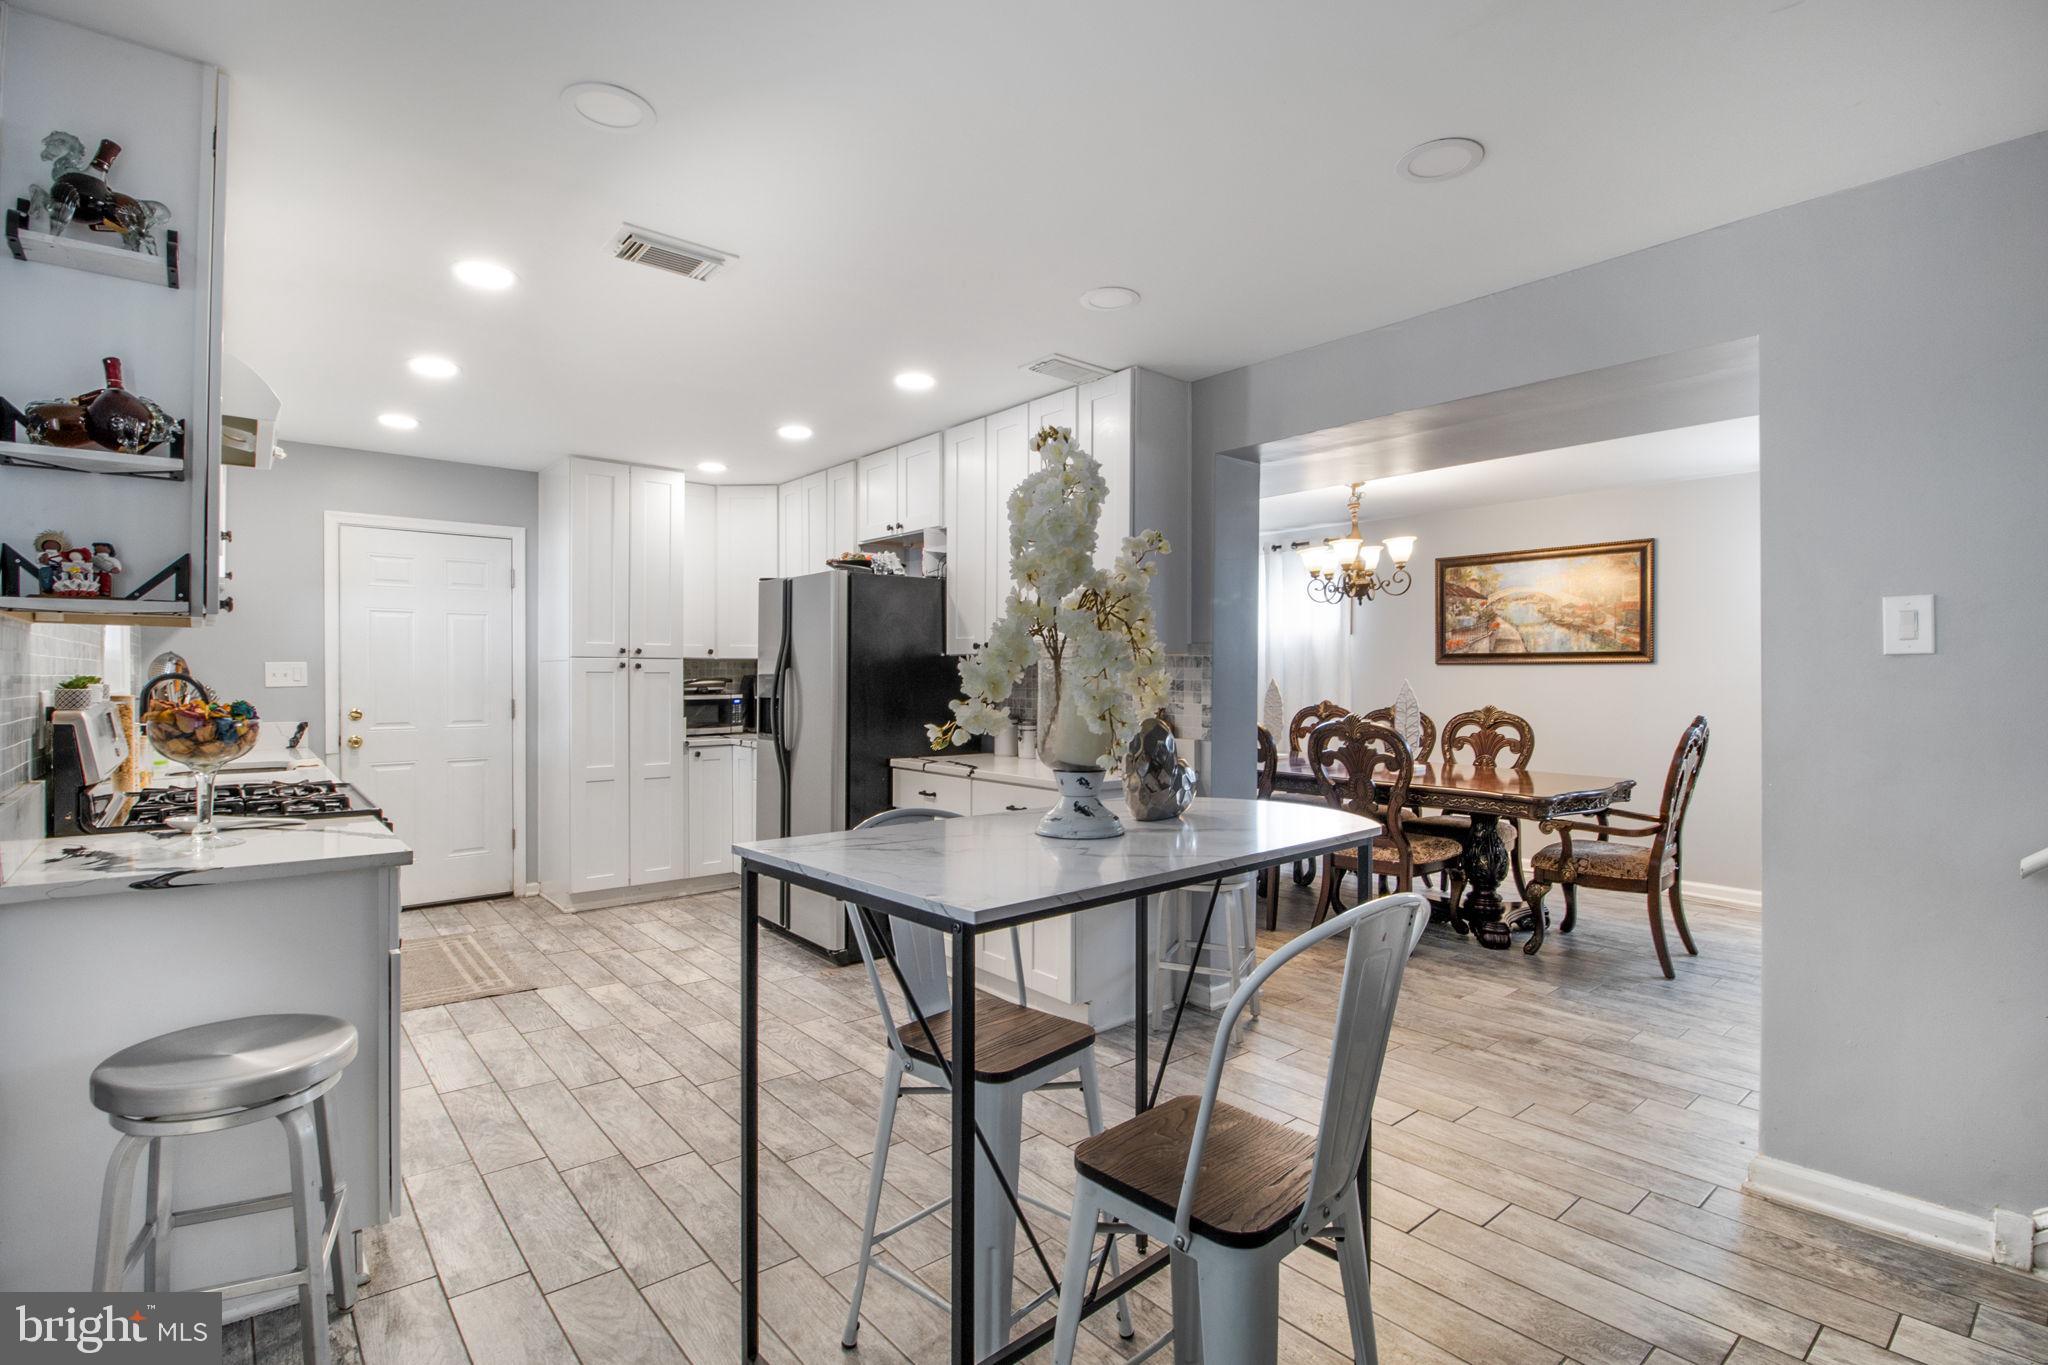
(1076, 753)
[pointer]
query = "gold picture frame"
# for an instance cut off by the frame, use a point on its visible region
(1565, 604)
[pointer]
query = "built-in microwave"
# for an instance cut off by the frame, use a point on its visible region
(718, 706)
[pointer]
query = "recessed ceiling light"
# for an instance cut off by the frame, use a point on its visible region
(914, 381)
(710, 467)
(611, 107)
(484, 275)
(433, 367)
(793, 431)
(1109, 298)
(1443, 159)
(398, 421)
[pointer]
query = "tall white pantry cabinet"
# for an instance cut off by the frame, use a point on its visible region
(626, 591)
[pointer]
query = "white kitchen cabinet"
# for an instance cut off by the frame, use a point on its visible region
(658, 804)
(711, 809)
(1056, 410)
(743, 822)
(920, 474)
(842, 482)
(1104, 431)
(586, 540)
(1009, 461)
(789, 528)
(817, 545)
(965, 479)
(599, 777)
(747, 544)
(930, 791)
(657, 557)
(877, 488)
(700, 571)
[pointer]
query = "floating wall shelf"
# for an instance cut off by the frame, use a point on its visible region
(92, 461)
(77, 253)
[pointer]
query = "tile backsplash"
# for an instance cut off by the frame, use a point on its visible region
(34, 659)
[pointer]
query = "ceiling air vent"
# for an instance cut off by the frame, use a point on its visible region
(672, 254)
(1068, 370)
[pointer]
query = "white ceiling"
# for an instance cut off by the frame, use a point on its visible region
(930, 184)
(1701, 452)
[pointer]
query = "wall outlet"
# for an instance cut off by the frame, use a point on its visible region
(284, 675)
(1909, 624)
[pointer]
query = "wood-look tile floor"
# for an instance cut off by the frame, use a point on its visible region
(1560, 1144)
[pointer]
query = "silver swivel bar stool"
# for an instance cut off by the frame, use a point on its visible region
(208, 1079)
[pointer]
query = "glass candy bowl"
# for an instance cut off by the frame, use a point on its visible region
(205, 736)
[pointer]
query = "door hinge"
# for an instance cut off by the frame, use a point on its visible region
(515, 838)
(515, 708)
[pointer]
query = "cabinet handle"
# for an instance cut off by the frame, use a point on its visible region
(1016, 808)
(622, 649)
(622, 663)
(636, 665)
(929, 796)
(636, 651)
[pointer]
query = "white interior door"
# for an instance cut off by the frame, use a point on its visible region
(426, 658)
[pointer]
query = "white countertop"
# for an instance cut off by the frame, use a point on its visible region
(745, 740)
(139, 860)
(990, 869)
(1016, 772)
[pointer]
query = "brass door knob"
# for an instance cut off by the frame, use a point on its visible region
(355, 741)
(355, 713)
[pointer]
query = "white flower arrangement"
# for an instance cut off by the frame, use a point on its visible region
(1093, 628)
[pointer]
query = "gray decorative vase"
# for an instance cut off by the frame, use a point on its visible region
(1157, 785)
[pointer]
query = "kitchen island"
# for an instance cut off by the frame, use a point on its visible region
(110, 938)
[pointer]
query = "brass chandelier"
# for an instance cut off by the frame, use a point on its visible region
(1346, 569)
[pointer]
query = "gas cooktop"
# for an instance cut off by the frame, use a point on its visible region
(306, 800)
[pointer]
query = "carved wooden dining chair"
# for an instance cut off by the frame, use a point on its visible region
(1269, 769)
(1346, 753)
(1488, 733)
(1385, 716)
(1652, 869)
(1420, 821)
(1307, 719)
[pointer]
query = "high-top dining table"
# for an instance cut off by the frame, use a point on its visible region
(1486, 795)
(967, 876)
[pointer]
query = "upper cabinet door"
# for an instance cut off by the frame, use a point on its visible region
(746, 555)
(843, 483)
(875, 497)
(700, 570)
(817, 546)
(600, 534)
(1105, 433)
(966, 518)
(1009, 462)
(921, 479)
(789, 522)
(1056, 410)
(657, 587)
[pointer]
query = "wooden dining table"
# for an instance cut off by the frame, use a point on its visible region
(1486, 795)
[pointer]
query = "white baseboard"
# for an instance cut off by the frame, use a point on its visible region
(1739, 897)
(1898, 1215)
(532, 889)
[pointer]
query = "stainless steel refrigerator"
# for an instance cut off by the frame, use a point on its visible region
(854, 668)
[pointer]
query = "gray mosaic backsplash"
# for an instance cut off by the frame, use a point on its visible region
(34, 659)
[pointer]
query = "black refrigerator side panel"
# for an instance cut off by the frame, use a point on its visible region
(898, 680)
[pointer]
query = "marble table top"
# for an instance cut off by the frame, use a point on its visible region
(146, 860)
(991, 869)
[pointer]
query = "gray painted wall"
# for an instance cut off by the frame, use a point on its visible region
(1904, 330)
(278, 516)
(1622, 719)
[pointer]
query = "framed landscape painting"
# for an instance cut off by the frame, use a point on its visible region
(1573, 604)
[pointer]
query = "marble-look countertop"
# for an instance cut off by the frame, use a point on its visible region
(1017, 772)
(990, 869)
(154, 860)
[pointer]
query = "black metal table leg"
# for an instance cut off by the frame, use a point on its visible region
(1142, 999)
(964, 1352)
(750, 1116)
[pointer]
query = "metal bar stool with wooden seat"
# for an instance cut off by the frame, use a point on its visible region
(208, 1079)
(1232, 1193)
(1017, 1050)
(1355, 759)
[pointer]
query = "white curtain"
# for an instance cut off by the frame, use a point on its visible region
(1302, 642)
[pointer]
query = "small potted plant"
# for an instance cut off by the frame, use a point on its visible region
(75, 694)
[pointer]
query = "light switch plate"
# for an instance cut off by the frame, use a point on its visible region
(284, 675)
(1909, 624)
